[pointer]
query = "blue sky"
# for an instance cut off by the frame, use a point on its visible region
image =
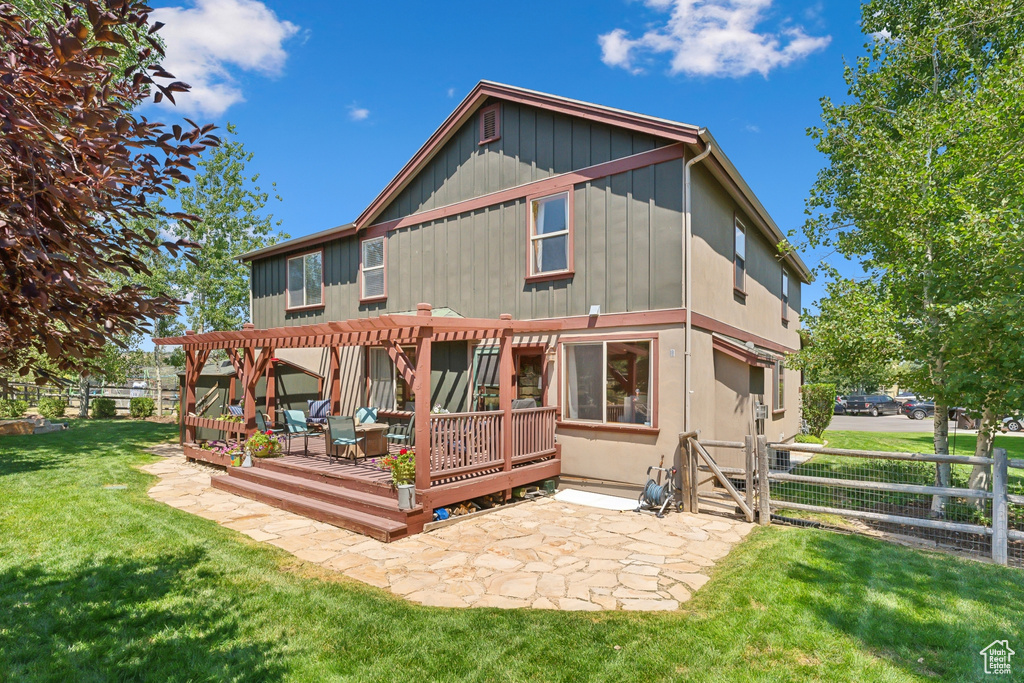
(334, 97)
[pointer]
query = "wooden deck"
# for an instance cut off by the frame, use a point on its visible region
(359, 495)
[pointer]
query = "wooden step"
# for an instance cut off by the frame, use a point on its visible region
(313, 472)
(362, 501)
(346, 518)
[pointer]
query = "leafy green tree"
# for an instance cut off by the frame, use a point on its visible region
(924, 185)
(851, 341)
(230, 206)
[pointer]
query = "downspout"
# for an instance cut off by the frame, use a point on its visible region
(688, 281)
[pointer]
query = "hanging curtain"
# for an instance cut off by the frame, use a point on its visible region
(571, 384)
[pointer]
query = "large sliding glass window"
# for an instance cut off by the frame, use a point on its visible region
(608, 382)
(388, 389)
(305, 280)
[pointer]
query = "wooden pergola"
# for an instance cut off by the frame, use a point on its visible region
(251, 351)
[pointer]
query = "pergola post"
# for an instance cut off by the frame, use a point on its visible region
(506, 372)
(422, 389)
(189, 405)
(248, 392)
(271, 397)
(335, 378)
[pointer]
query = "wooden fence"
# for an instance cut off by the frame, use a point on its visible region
(533, 433)
(121, 394)
(890, 492)
(465, 443)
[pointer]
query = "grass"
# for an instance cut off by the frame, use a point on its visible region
(99, 584)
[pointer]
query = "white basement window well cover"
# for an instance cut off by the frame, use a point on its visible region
(373, 260)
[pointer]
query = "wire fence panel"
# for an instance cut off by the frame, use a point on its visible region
(948, 505)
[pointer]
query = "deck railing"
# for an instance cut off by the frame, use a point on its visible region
(533, 433)
(465, 443)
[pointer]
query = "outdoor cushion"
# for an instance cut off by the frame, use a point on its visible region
(318, 411)
(366, 416)
(235, 411)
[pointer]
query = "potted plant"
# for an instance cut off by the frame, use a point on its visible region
(403, 476)
(262, 445)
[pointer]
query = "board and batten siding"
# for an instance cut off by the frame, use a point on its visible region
(534, 144)
(627, 252)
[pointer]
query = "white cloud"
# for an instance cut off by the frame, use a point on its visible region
(357, 113)
(451, 92)
(713, 38)
(209, 42)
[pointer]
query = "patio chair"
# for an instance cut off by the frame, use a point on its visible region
(318, 411)
(401, 434)
(366, 416)
(295, 425)
(341, 432)
(235, 411)
(263, 424)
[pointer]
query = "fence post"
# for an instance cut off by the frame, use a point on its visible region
(764, 515)
(1000, 519)
(684, 473)
(748, 465)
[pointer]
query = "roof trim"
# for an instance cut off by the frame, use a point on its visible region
(299, 242)
(724, 169)
(620, 118)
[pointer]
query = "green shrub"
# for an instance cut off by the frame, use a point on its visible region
(102, 407)
(819, 402)
(808, 438)
(141, 406)
(10, 408)
(52, 407)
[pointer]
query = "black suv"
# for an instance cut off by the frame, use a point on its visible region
(874, 405)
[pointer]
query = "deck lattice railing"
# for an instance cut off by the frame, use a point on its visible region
(533, 433)
(465, 443)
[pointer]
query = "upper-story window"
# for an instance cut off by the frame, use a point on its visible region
(785, 295)
(550, 235)
(740, 257)
(306, 280)
(373, 261)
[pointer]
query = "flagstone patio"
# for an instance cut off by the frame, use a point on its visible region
(543, 554)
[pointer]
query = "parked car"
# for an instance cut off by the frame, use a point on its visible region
(905, 396)
(840, 406)
(1013, 424)
(918, 410)
(874, 405)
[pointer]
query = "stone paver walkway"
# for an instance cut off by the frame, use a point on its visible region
(543, 554)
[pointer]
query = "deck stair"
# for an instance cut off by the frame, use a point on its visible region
(327, 500)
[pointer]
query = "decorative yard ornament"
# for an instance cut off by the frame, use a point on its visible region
(77, 169)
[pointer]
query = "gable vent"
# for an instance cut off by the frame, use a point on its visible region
(490, 123)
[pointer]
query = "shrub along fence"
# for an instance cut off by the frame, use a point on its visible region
(32, 394)
(981, 512)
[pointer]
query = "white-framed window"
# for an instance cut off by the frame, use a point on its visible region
(785, 295)
(739, 256)
(306, 280)
(608, 382)
(779, 390)
(373, 261)
(550, 233)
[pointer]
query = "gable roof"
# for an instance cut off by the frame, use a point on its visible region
(718, 163)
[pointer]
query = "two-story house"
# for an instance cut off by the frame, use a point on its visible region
(669, 305)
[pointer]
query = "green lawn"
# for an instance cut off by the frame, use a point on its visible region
(100, 584)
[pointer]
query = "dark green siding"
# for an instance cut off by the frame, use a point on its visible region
(627, 235)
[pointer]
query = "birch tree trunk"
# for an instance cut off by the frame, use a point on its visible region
(981, 475)
(942, 470)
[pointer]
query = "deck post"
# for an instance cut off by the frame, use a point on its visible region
(270, 400)
(421, 387)
(248, 392)
(505, 375)
(189, 405)
(335, 375)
